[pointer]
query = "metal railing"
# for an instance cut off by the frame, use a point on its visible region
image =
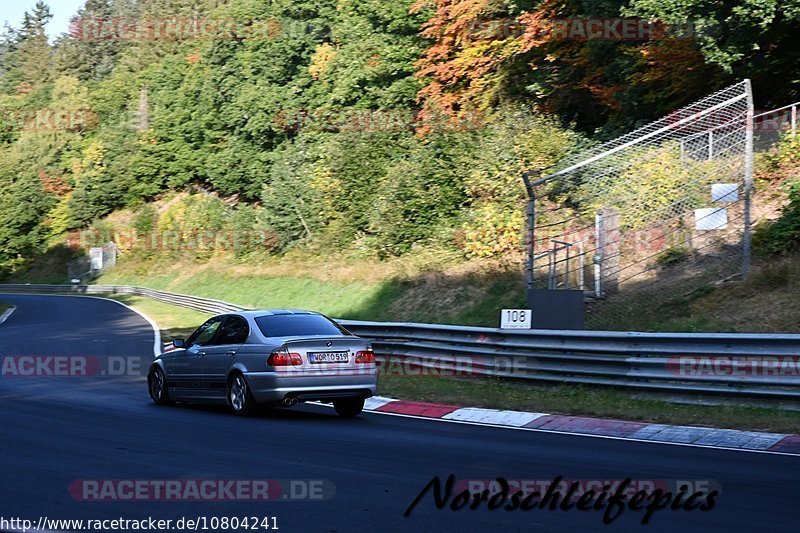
(665, 362)
(762, 366)
(204, 305)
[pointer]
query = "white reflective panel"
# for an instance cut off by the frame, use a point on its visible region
(725, 192)
(710, 218)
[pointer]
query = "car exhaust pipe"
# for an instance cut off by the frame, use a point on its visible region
(289, 402)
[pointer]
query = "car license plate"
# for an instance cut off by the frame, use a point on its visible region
(328, 357)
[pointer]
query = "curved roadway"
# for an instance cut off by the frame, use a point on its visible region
(56, 430)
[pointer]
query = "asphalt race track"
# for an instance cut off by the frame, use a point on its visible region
(57, 430)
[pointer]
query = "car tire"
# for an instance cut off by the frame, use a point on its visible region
(157, 386)
(240, 399)
(349, 407)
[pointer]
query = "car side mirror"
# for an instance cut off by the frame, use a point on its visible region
(178, 343)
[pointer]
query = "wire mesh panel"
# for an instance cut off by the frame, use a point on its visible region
(79, 269)
(770, 127)
(99, 259)
(655, 213)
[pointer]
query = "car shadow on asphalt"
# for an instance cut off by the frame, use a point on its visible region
(301, 412)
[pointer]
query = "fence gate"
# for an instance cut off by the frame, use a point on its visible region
(654, 214)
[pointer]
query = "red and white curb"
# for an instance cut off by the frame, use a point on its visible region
(640, 431)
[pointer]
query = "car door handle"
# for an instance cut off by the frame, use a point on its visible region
(231, 352)
(201, 354)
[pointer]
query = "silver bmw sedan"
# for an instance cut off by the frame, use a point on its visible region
(275, 357)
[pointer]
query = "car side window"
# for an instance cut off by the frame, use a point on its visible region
(205, 333)
(235, 331)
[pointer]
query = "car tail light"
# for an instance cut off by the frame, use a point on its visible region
(365, 356)
(284, 358)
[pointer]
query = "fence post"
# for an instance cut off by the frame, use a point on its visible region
(710, 145)
(607, 257)
(794, 120)
(748, 180)
(529, 229)
(599, 249)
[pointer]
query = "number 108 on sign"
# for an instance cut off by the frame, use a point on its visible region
(515, 319)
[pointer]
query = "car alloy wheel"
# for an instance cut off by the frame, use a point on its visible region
(239, 397)
(157, 386)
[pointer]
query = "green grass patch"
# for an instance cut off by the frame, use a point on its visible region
(4, 306)
(471, 298)
(174, 322)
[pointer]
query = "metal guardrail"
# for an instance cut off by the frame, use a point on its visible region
(748, 365)
(205, 305)
(738, 365)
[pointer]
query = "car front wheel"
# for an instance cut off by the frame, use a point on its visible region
(239, 397)
(349, 407)
(157, 386)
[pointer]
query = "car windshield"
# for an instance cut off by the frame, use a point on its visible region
(292, 325)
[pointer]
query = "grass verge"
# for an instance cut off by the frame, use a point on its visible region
(469, 294)
(4, 306)
(174, 322)
(553, 399)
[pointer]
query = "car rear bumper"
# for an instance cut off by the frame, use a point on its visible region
(269, 387)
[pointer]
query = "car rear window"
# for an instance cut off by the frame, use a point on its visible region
(298, 325)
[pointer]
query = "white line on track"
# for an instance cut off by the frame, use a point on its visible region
(156, 331)
(7, 313)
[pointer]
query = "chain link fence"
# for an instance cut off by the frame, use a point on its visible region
(770, 127)
(653, 215)
(85, 268)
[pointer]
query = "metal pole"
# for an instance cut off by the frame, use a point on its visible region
(683, 150)
(794, 120)
(598, 254)
(581, 279)
(710, 145)
(566, 268)
(530, 227)
(748, 180)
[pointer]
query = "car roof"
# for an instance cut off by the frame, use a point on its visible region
(253, 313)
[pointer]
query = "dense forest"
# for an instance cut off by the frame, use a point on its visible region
(363, 125)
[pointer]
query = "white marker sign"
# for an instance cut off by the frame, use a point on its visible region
(515, 319)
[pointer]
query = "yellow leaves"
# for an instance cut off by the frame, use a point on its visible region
(68, 94)
(91, 163)
(321, 60)
(493, 231)
(329, 187)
